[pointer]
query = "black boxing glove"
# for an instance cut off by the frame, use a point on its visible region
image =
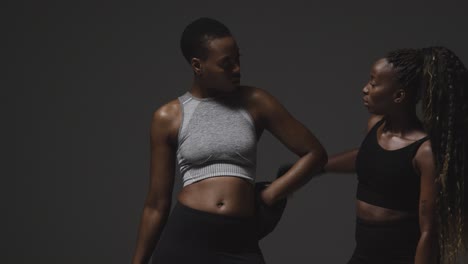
(268, 217)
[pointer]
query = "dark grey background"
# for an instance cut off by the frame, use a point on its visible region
(86, 78)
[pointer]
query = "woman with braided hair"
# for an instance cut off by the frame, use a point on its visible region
(411, 173)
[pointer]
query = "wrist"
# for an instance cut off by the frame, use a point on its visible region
(266, 198)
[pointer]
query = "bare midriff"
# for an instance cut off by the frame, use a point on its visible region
(224, 195)
(377, 214)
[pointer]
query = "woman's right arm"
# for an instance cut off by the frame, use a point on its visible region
(157, 205)
(344, 162)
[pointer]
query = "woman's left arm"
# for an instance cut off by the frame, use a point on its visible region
(427, 252)
(297, 138)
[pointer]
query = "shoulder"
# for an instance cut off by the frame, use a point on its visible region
(424, 156)
(259, 97)
(425, 150)
(167, 118)
(167, 112)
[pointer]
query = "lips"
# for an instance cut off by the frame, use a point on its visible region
(365, 101)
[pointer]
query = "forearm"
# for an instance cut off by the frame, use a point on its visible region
(298, 175)
(426, 252)
(151, 225)
(343, 162)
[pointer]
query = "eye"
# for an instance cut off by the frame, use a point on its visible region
(372, 82)
(227, 64)
(230, 62)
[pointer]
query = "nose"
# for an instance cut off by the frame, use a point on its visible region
(236, 69)
(365, 90)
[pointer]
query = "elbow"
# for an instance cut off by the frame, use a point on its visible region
(162, 206)
(317, 157)
(428, 234)
(324, 158)
(321, 157)
(159, 212)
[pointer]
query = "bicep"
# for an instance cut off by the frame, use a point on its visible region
(162, 165)
(292, 133)
(428, 187)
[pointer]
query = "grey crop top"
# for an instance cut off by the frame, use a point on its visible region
(216, 138)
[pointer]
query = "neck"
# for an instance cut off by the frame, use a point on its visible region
(399, 123)
(201, 91)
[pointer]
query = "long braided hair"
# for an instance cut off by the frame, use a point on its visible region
(438, 76)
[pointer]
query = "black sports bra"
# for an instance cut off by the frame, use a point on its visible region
(387, 177)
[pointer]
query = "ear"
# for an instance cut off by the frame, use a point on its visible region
(196, 66)
(399, 96)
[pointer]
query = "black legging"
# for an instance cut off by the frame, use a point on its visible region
(389, 243)
(192, 236)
